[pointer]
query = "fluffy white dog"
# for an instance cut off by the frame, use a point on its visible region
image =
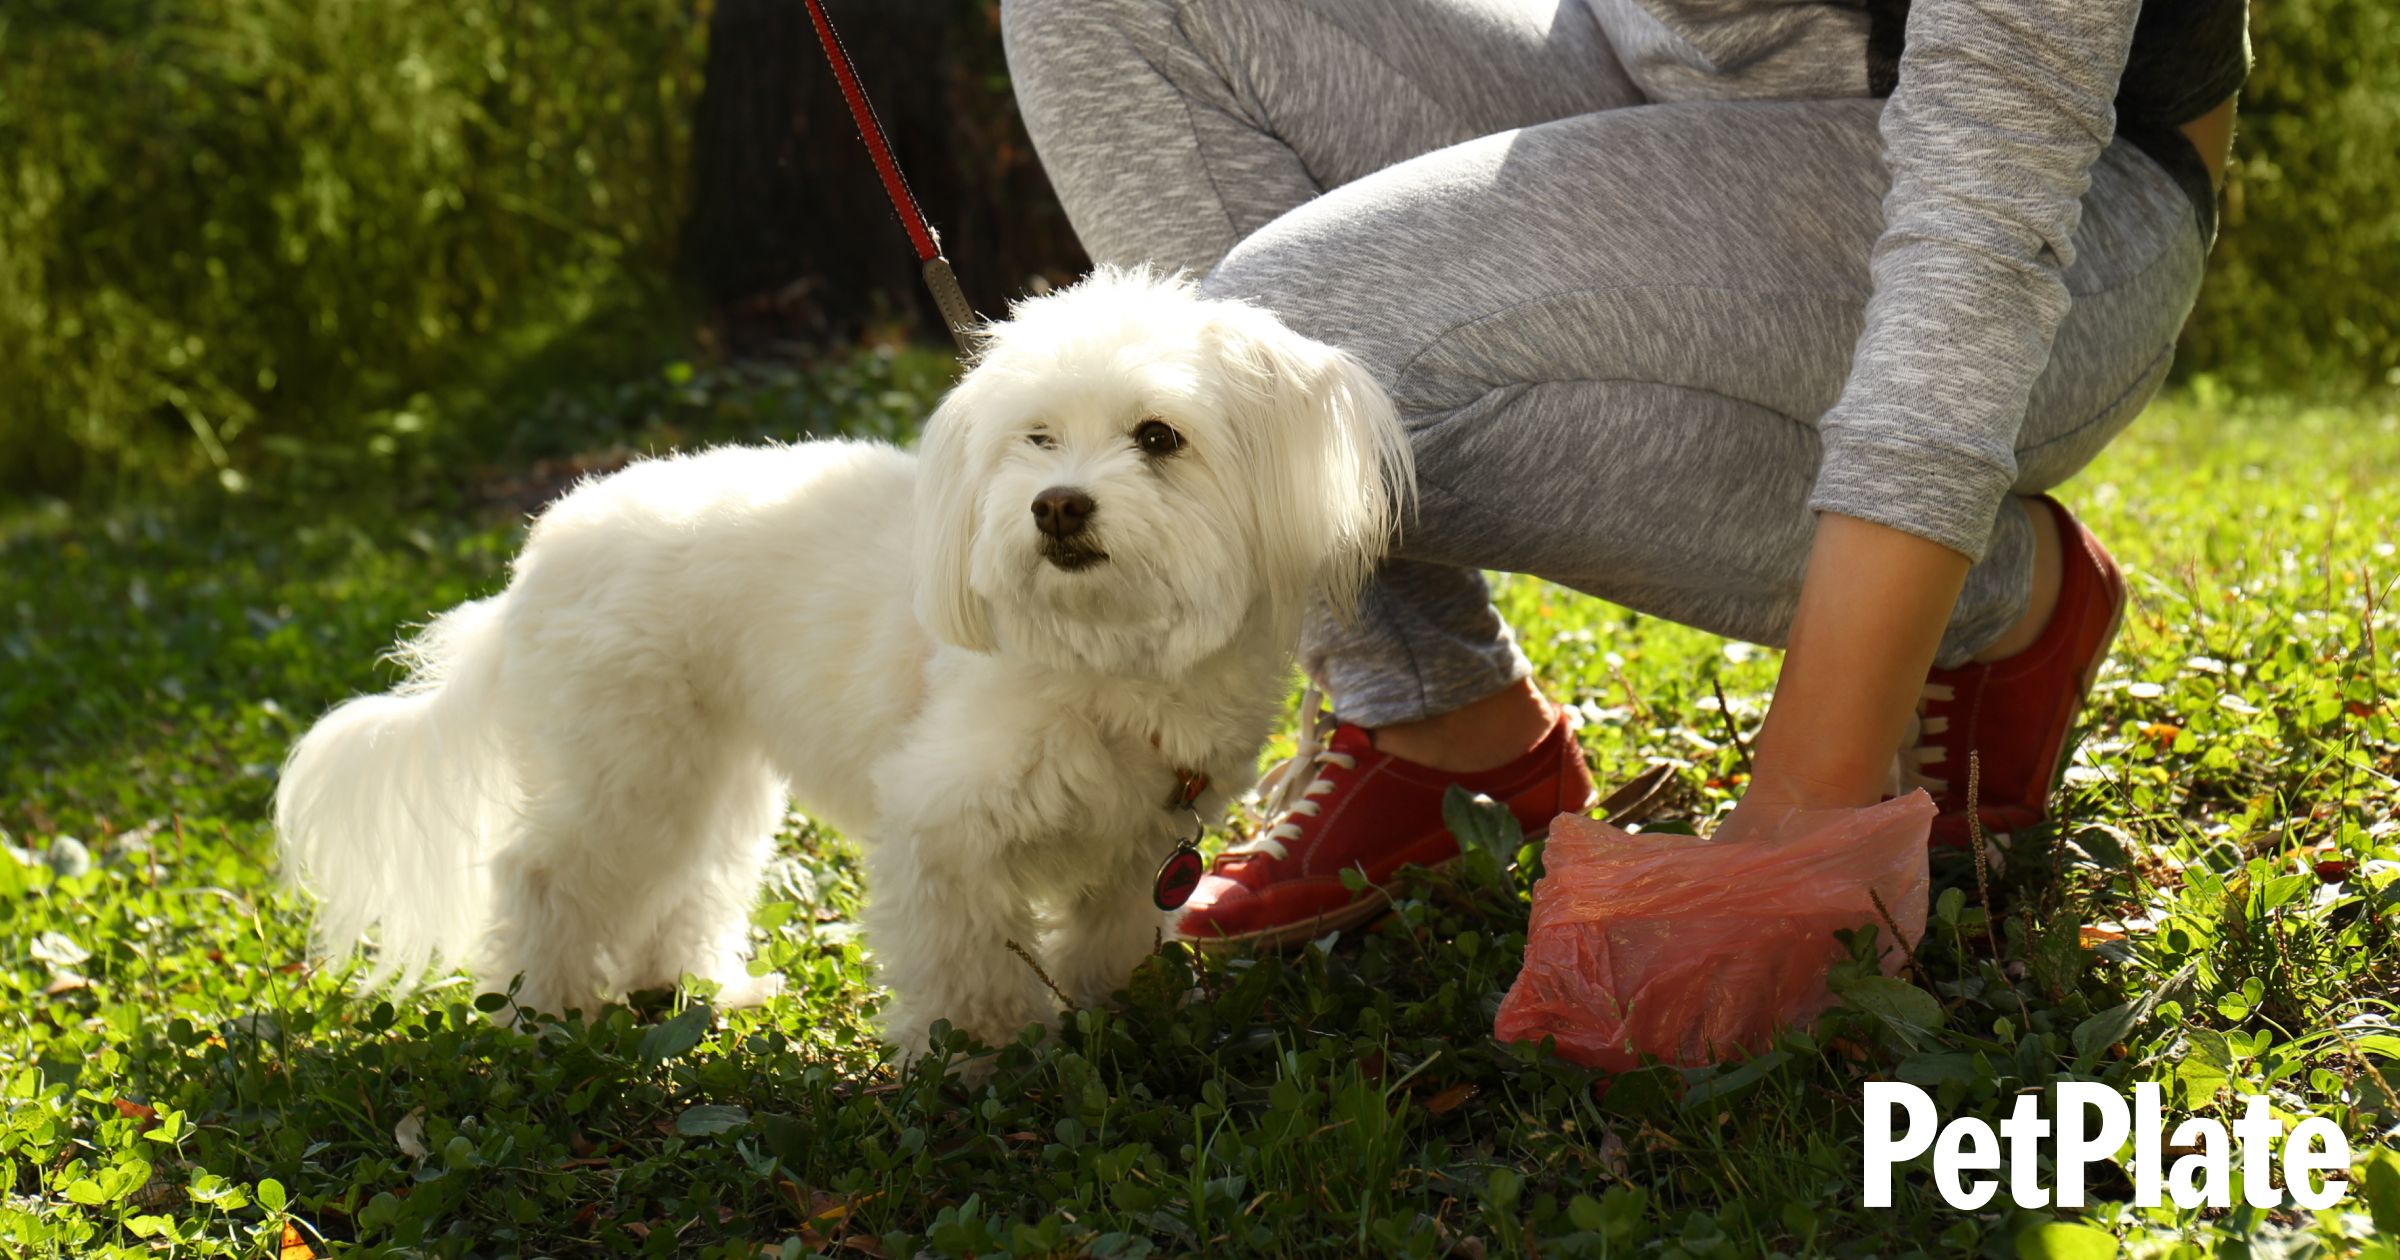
(997, 662)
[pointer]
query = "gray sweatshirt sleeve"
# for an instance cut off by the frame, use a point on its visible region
(2001, 109)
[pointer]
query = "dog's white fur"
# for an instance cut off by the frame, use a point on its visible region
(580, 778)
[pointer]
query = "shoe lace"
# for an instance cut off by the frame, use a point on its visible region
(1908, 764)
(1290, 799)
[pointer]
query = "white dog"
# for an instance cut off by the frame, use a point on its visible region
(997, 662)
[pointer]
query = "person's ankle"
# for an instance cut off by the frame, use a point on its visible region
(2049, 566)
(1484, 735)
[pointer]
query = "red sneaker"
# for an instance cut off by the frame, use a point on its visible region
(2015, 714)
(1373, 812)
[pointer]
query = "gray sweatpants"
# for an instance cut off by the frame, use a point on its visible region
(1610, 326)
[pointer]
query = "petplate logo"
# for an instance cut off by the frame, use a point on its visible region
(2202, 1178)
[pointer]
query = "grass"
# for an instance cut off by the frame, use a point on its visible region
(178, 1079)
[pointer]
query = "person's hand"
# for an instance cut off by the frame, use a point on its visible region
(1872, 611)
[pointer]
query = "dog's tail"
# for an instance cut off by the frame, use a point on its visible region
(386, 807)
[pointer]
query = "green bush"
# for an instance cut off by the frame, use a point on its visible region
(2304, 291)
(236, 232)
(236, 235)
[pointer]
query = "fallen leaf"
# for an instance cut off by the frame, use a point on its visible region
(2161, 732)
(294, 1246)
(710, 1118)
(2091, 936)
(2333, 872)
(639, 1229)
(156, 1194)
(1612, 1153)
(1024, 1137)
(865, 1245)
(410, 1134)
(135, 1111)
(67, 982)
(1449, 1099)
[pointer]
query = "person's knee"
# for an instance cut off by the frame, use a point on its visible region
(1239, 284)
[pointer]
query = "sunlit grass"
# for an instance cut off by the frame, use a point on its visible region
(155, 662)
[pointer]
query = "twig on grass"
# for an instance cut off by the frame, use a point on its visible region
(1983, 885)
(1640, 709)
(1725, 711)
(2368, 1069)
(1021, 952)
(1908, 952)
(2366, 623)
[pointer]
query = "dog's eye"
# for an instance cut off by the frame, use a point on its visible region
(1042, 439)
(1157, 439)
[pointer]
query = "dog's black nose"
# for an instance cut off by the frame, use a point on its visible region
(1061, 512)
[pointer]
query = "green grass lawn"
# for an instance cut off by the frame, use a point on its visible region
(179, 1079)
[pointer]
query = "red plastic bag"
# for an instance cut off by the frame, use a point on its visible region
(1687, 948)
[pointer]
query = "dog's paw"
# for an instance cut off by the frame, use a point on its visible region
(749, 990)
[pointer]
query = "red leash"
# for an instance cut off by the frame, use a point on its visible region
(938, 277)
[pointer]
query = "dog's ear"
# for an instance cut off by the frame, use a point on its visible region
(1324, 455)
(946, 511)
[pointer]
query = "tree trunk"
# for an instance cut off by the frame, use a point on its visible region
(791, 239)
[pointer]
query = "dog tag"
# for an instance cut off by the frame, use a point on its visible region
(1177, 877)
